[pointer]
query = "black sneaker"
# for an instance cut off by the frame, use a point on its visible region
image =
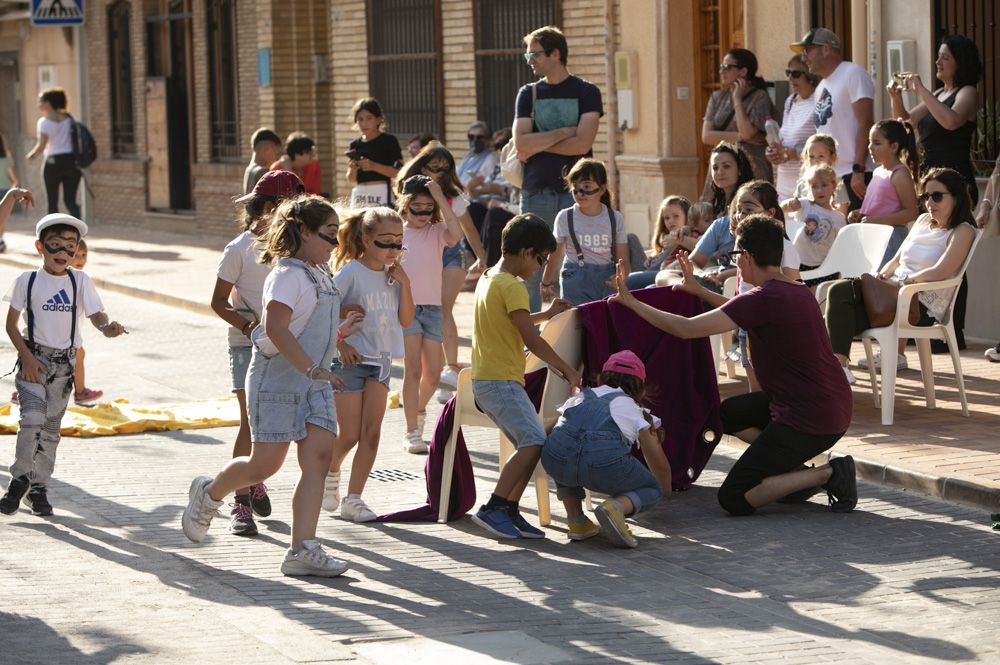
(241, 521)
(12, 497)
(259, 500)
(38, 500)
(842, 488)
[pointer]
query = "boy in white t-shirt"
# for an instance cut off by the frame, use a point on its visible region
(52, 299)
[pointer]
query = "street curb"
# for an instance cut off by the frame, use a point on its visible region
(145, 294)
(953, 490)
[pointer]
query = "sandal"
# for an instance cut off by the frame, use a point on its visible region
(87, 395)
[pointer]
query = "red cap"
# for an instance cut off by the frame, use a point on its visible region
(625, 362)
(279, 184)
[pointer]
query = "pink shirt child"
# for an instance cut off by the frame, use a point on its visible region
(422, 261)
(881, 197)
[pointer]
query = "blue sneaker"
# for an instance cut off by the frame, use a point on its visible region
(526, 530)
(497, 522)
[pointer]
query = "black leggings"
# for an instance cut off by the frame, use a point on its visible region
(62, 170)
(779, 449)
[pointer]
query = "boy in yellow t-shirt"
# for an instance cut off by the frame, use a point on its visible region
(503, 328)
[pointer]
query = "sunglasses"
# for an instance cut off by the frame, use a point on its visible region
(330, 239)
(473, 137)
(55, 249)
(578, 191)
(726, 68)
(794, 73)
(437, 170)
(398, 246)
(533, 55)
(420, 213)
(936, 197)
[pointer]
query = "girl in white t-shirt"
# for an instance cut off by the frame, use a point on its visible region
(822, 222)
(54, 138)
(821, 149)
(289, 395)
(430, 227)
(239, 290)
(591, 448)
(368, 277)
(591, 238)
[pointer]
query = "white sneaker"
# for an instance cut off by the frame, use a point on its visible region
(331, 491)
(449, 378)
(312, 560)
(993, 354)
(354, 508)
(414, 443)
(900, 361)
(442, 395)
(201, 508)
(851, 379)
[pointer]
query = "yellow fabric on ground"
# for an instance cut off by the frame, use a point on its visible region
(120, 417)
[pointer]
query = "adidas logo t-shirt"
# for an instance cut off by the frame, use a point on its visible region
(52, 305)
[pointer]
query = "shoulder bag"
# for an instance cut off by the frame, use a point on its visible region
(512, 168)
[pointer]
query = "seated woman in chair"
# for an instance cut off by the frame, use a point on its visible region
(804, 405)
(934, 250)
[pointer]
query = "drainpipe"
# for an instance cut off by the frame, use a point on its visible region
(612, 115)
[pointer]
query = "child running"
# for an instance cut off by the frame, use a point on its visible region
(822, 221)
(502, 329)
(368, 276)
(374, 157)
(423, 207)
(891, 197)
(821, 150)
(591, 448)
(52, 298)
(237, 299)
(595, 234)
(289, 397)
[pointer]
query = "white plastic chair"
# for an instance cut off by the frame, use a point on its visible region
(889, 336)
(793, 227)
(564, 334)
(857, 249)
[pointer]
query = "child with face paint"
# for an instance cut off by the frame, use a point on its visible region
(430, 226)
(52, 299)
(369, 276)
(81, 393)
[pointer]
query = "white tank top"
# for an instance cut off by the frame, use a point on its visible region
(923, 246)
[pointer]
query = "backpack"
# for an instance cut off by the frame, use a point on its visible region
(84, 145)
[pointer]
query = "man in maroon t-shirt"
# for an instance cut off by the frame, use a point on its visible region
(805, 404)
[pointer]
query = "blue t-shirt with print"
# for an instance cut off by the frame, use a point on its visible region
(556, 106)
(717, 241)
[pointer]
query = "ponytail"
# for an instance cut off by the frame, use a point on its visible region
(901, 133)
(352, 230)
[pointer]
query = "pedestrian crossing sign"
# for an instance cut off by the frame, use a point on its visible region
(56, 12)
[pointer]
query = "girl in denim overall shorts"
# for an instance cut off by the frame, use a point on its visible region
(590, 239)
(289, 397)
(590, 447)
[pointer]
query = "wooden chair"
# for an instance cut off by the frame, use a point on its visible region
(889, 336)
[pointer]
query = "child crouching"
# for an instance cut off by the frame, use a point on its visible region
(52, 298)
(590, 448)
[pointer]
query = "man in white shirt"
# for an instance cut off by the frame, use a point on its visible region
(844, 107)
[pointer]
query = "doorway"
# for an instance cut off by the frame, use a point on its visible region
(168, 70)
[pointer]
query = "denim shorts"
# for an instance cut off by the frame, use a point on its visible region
(508, 405)
(239, 363)
(356, 376)
(277, 414)
(426, 322)
(454, 257)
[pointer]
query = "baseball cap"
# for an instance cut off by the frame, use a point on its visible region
(279, 184)
(625, 362)
(817, 37)
(59, 218)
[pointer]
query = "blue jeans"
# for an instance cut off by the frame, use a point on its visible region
(600, 461)
(510, 408)
(545, 203)
(641, 279)
(586, 283)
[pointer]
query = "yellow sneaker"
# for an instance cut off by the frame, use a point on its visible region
(612, 520)
(583, 530)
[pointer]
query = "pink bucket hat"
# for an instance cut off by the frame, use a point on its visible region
(625, 362)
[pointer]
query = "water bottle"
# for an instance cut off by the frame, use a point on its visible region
(772, 128)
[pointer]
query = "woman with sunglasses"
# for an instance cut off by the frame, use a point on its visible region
(594, 233)
(736, 113)
(430, 225)
(796, 127)
(935, 249)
